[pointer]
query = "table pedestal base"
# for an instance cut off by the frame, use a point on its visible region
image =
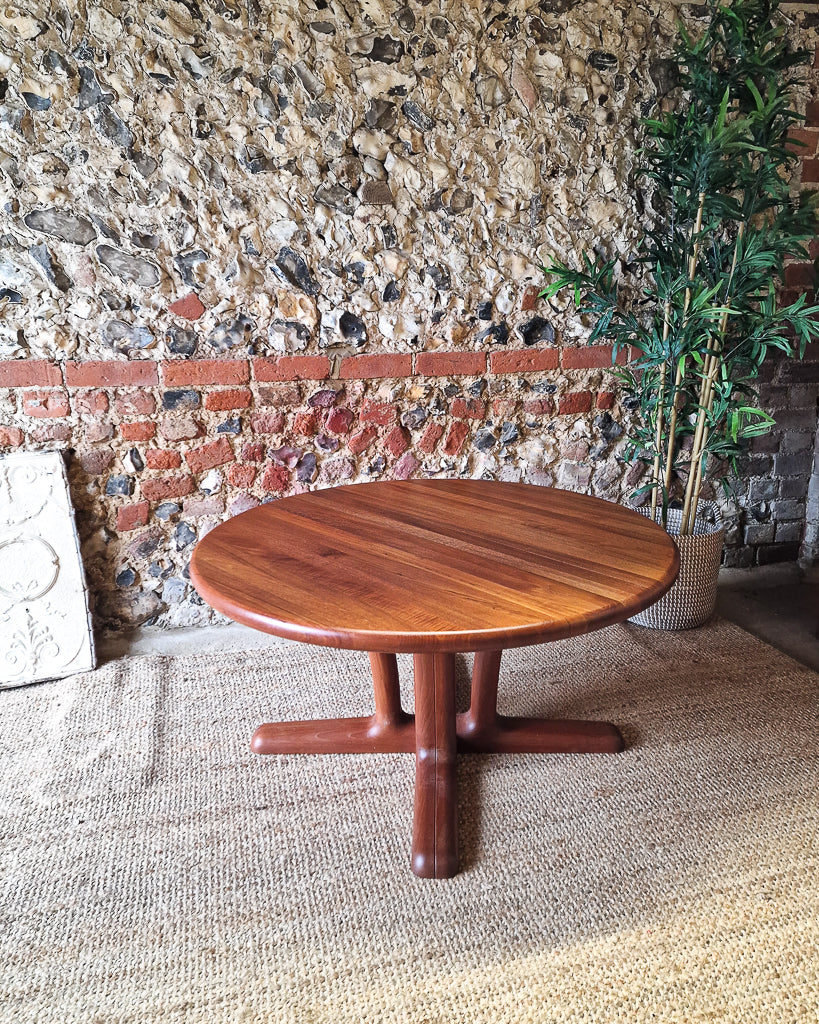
(436, 734)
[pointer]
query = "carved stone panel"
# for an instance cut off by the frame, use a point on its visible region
(45, 626)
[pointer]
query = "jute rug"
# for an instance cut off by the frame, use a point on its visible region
(154, 870)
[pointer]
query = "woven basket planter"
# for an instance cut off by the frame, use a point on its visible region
(692, 599)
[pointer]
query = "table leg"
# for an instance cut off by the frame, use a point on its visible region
(483, 730)
(389, 730)
(435, 822)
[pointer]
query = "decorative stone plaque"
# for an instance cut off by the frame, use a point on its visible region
(45, 624)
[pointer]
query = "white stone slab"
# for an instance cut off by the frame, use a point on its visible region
(45, 624)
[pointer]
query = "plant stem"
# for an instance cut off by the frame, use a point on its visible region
(655, 476)
(692, 267)
(710, 370)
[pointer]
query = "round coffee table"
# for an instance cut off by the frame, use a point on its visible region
(432, 568)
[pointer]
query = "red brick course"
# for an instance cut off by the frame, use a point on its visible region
(444, 364)
(527, 360)
(291, 368)
(369, 367)
(207, 456)
(185, 372)
(46, 403)
(28, 373)
(111, 373)
(164, 487)
(593, 357)
(131, 517)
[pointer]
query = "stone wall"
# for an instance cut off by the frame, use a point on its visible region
(250, 248)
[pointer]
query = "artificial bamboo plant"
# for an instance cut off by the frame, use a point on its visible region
(704, 314)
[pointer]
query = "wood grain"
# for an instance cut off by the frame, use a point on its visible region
(434, 565)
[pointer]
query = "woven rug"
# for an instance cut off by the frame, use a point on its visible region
(153, 869)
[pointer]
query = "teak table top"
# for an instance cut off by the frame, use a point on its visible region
(434, 565)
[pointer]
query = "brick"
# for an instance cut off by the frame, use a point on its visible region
(382, 413)
(141, 431)
(131, 517)
(95, 461)
(184, 428)
(242, 503)
(538, 406)
(91, 403)
(446, 364)
(576, 402)
(291, 368)
(275, 479)
(369, 367)
(304, 424)
(530, 360)
(808, 139)
(217, 453)
(339, 421)
(606, 400)
(529, 299)
(455, 437)
(29, 373)
(800, 275)
(162, 458)
(361, 440)
(51, 432)
(810, 171)
(210, 505)
(504, 408)
(98, 431)
(594, 357)
(233, 398)
(281, 396)
(190, 307)
(397, 441)
(468, 409)
(405, 467)
(104, 373)
(46, 403)
(135, 403)
(11, 437)
(433, 432)
(795, 464)
(241, 475)
(253, 451)
(812, 114)
(267, 423)
(771, 553)
(185, 372)
(160, 488)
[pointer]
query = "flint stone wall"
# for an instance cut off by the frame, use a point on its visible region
(251, 248)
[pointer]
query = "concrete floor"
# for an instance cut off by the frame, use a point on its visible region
(778, 603)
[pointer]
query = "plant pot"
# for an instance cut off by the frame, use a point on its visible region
(692, 599)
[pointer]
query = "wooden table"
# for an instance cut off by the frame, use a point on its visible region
(434, 567)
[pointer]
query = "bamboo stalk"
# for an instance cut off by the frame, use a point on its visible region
(710, 369)
(692, 267)
(655, 476)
